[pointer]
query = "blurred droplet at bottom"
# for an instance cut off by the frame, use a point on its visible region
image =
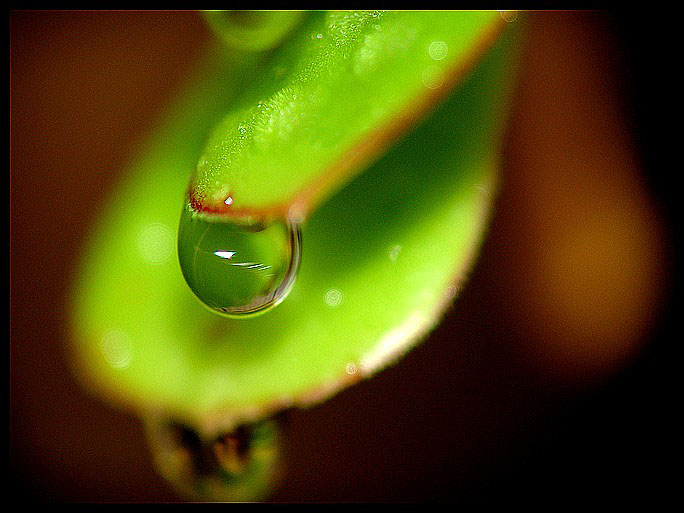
(239, 466)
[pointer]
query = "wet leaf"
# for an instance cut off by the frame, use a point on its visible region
(383, 254)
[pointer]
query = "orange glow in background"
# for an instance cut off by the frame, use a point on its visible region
(592, 244)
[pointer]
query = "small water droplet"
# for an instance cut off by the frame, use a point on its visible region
(438, 50)
(333, 298)
(394, 252)
(433, 77)
(155, 243)
(228, 200)
(509, 16)
(237, 466)
(238, 269)
(116, 348)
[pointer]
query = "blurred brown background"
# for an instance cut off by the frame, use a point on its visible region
(546, 381)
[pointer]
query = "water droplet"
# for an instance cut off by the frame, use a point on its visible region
(433, 76)
(155, 243)
(238, 269)
(237, 466)
(116, 349)
(438, 50)
(394, 252)
(228, 200)
(509, 16)
(334, 298)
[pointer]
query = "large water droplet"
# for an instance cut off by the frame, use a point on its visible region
(238, 269)
(241, 465)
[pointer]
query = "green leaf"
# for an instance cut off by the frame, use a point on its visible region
(345, 85)
(383, 255)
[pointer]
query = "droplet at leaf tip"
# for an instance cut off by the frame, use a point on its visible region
(238, 269)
